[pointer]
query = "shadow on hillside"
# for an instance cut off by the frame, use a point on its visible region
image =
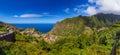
(2, 52)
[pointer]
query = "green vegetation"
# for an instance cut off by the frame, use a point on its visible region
(3, 29)
(74, 36)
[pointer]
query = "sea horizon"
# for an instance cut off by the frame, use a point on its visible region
(41, 27)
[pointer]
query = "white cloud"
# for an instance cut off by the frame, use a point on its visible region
(76, 10)
(109, 6)
(104, 6)
(81, 8)
(67, 10)
(15, 16)
(34, 15)
(27, 15)
(99, 6)
(91, 1)
(91, 10)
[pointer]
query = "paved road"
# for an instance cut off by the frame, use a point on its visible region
(7, 33)
(113, 52)
(8, 36)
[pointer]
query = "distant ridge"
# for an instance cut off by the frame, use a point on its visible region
(78, 24)
(110, 17)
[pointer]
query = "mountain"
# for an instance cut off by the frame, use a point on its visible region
(69, 26)
(89, 34)
(110, 17)
(81, 35)
(76, 25)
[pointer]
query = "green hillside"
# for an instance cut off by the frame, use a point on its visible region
(81, 35)
(76, 25)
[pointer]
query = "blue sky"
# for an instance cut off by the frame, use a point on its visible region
(37, 11)
(50, 11)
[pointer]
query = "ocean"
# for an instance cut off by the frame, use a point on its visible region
(43, 28)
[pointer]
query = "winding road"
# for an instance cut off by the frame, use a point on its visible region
(115, 46)
(8, 36)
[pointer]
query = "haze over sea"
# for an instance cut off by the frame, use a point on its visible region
(42, 27)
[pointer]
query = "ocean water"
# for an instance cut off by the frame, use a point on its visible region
(43, 28)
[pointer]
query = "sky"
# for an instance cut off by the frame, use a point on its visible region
(51, 11)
